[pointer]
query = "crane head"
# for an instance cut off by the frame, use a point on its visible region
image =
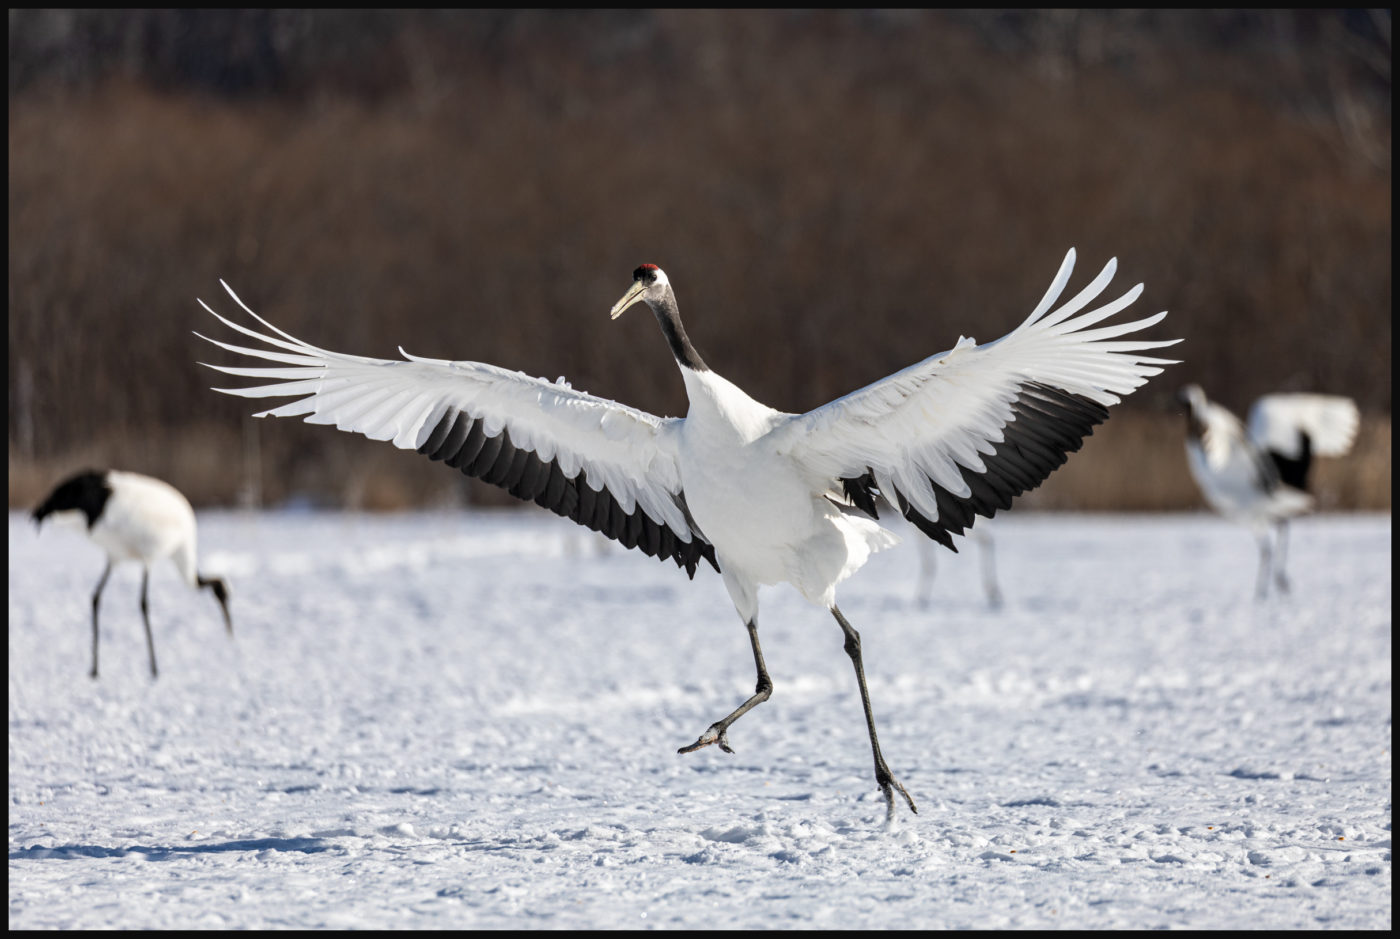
(648, 282)
(1192, 396)
(76, 502)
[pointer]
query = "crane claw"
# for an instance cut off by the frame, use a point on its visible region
(889, 785)
(716, 734)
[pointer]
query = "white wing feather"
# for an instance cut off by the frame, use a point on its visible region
(951, 409)
(1276, 420)
(628, 452)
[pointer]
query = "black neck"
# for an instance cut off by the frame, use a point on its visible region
(86, 492)
(670, 319)
(1195, 427)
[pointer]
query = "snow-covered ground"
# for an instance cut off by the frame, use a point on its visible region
(470, 721)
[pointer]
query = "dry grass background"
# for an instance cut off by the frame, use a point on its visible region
(835, 196)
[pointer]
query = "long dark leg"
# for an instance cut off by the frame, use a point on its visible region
(928, 569)
(989, 574)
(221, 594)
(888, 784)
(97, 596)
(1261, 586)
(718, 730)
(146, 618)
(1281, 556)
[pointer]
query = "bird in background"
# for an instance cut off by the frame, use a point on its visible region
(1257, 475)
(763, 496)
(132, 518)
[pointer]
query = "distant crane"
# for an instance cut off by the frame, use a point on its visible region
(1258, 476)
(132, 518)
(764, 496)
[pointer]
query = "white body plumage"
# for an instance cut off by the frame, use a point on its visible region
(762, 511)
(147, 520)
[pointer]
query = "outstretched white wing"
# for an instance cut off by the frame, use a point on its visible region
(602, 464)
(1277, 422)
(963, 432)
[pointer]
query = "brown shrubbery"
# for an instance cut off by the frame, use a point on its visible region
(834, 196)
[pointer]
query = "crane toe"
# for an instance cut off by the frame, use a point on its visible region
(888, 784)
(889, 795)
(716, 734)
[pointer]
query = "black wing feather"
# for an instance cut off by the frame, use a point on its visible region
(461, 442)
(1047, 425)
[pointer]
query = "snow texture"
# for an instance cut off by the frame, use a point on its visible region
(470, 720)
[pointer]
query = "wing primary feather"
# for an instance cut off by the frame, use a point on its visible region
(667, 544)
(291, 359)
(858, 491)
(293, 346)
(932, 529)
(956, 514)
(447, 436)
(1081, 299)
(471, 445)
(583, 506)
(603, 509)
(990, 490)
(533, 478)
(519, 459)
(632, 528)
(485, 457)
(650, 540)
(500, 465)
(284, 335)
(555, 490)
(1052, 293)
(1102, 313)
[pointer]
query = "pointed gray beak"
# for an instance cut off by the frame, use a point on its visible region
(633, 294)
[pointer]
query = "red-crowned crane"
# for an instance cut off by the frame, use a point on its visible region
(764, 496)
(132, 518)
(1258, 476)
